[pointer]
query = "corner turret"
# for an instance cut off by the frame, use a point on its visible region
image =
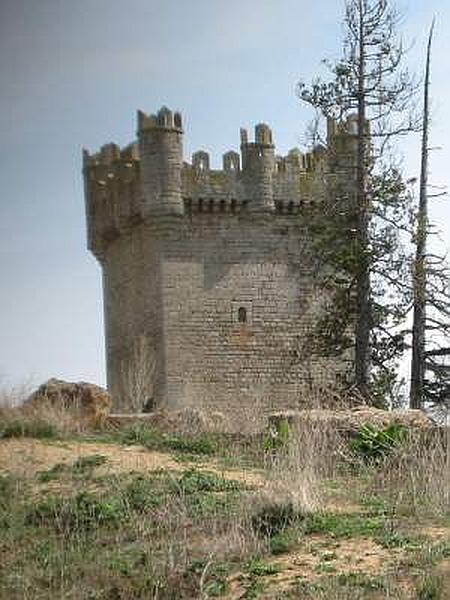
(161, 152)
(258, 166)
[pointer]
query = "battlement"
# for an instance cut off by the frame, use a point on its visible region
(163, 119)
(148, 178)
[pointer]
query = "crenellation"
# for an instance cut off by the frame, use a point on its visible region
(212, 268)
(231, 162)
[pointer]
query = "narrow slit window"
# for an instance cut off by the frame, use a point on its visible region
(242, 314)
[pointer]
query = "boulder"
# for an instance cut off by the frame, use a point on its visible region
(88, 403)
(351, 420)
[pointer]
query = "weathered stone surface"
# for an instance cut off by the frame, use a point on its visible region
(186, 420)
(89, 403)
(353, 419)
(214, 270)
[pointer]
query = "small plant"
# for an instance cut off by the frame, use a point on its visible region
(81, 512)
(88, 463)
(274, 518)
(51, 474)
(283, 541)
(430, 588)
(153, 439)
(361, 580)
(342, 525)
(277, 438)
(259, 568)
(192, 481)
(374, 444)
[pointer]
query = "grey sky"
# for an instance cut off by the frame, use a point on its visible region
(73, 75)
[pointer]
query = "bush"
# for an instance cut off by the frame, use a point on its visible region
(274, 518)
(374, 444)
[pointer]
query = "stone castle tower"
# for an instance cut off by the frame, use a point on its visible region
(208, 275)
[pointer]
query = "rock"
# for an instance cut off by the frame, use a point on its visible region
(351, 420)
(89, 403)
(187, 420)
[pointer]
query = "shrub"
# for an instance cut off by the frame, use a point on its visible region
(274, 518)
(374, 444)
(89, 462)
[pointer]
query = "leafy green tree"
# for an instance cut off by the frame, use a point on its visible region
(370, 92)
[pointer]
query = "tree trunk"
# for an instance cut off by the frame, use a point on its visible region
(363, 311)
(419, 283)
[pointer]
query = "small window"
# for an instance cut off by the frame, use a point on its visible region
(242, 314)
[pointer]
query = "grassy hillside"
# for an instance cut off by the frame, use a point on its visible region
(139, 513)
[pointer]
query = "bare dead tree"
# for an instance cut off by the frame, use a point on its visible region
(430, 368)
(419, 281)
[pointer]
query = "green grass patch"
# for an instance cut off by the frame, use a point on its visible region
(153, 439)
(52, 474)
(284, 541)
(260, 568)
(343, 525)
(33, 428)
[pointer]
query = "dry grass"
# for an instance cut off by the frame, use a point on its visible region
(416, 477)
(194, 529)
(314, 452)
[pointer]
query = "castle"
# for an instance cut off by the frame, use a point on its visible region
(208, 275)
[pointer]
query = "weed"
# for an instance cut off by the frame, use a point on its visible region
(283, 541)
(80, 512)
(192, 481)
(277, 438)
(325, 567)
(430, 588)
(144, 493)
(259, 568)
(51, 474)
(274, 518)
(88, 463)
(394, 539)
(343, 525)
(373, 444)
(361, 580)
(152, 439)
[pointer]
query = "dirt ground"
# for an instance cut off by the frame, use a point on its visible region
(318, 555)
(25, 457)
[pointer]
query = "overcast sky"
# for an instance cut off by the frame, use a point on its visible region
(75, 72)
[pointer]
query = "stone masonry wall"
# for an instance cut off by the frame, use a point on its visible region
(211, 268)
(210, 273)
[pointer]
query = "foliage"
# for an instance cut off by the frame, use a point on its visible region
(154, 439)
(366, 207)
(373, 444)
(274, 518)
(89, 462)
(277, 439)
(260, 568)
